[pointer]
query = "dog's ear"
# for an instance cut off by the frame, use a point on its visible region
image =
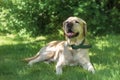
(63, 25)
(63, 28)
(84, 28)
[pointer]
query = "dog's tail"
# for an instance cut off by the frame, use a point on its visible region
(31, 58)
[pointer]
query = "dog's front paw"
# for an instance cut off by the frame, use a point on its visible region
(58, 71)
(91, 69)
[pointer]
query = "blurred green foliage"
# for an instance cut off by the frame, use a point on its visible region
(37, 17)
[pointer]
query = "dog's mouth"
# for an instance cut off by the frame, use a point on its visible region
(72, 34)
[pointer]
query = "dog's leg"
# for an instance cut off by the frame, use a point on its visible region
(86, 64)
(38, 59)
(35, 61)
(59, 65)
(42, 57)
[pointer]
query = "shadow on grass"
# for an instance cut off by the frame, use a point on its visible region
(106, 55)
(106, 50)
(13, 50)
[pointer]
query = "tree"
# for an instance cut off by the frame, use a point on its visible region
(44, 16)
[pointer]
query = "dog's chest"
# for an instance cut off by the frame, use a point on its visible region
(71, 57)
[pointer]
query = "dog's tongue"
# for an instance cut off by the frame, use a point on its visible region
(70, 34)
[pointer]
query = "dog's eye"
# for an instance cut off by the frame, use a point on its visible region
(76, 22)
(66, 22)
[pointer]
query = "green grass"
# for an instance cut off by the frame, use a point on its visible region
(105, 56)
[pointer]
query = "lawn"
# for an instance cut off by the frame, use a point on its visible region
(104, 54)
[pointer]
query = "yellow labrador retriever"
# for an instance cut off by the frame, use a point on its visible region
(73, 51)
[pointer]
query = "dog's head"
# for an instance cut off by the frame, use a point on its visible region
(74, 27)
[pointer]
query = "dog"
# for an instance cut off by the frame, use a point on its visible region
(72, 51)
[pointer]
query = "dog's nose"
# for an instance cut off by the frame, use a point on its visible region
(69, 25)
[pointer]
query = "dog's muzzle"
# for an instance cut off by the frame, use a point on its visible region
(69, 30)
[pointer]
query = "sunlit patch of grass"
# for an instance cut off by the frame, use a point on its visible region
(102, 43)
(14, 39)
(100, 66)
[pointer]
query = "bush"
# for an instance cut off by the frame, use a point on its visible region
(46, 16)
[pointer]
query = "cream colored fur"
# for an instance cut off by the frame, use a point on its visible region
(61, 51)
